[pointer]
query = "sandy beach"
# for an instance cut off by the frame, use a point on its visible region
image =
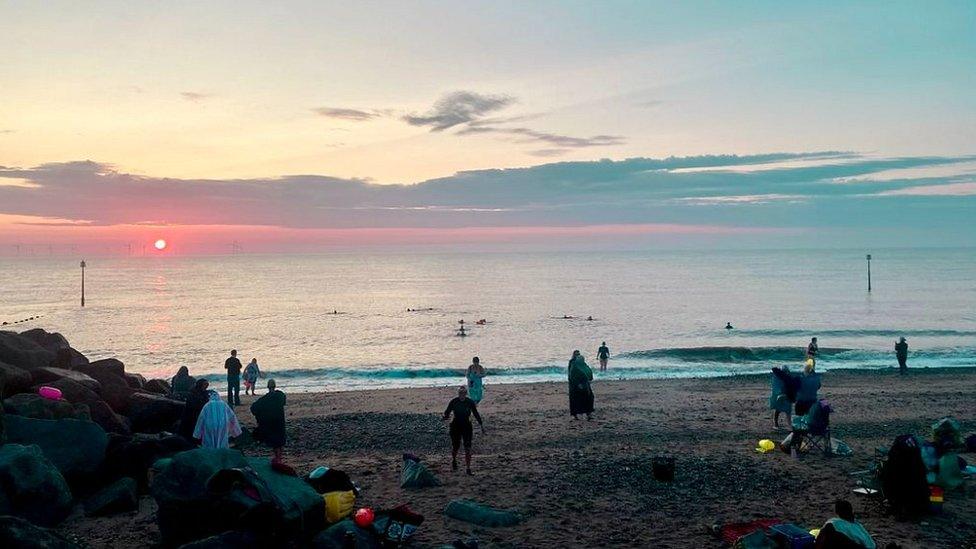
(589, 484)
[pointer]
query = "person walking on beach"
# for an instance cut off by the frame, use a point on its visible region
(603, 353)
(216, 424)
(251, 375)
(269, 411)
(475, 376)
(901, 352)
(813, 350)
(233, 367)
(461, 429)
(580, 392)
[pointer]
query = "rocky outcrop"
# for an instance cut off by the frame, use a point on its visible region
(112, 388)
(22, 352)
(113, 366)
(18, 533)
(64, 355)
(48, 375)
(37, 407)
(72, 391)
(152, 413)
(133, 456)
(31, 487)
(75, 447)
(158, 386)
(118, 497)
(102, 414)
(13, 380)
(136, 381)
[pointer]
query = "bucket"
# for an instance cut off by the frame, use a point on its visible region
(663, 468)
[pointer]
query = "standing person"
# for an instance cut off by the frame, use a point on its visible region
(580, 392)
(216, 424)
(813, 350)
(461, 429)
(476, 385)
(181, 383)
(195, 401)
(269, 411)
(603, 353)
(251, 375)
(233, 367)
(901, 352)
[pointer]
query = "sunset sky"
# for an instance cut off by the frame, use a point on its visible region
(302, 125)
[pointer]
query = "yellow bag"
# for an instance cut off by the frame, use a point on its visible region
(338, 505)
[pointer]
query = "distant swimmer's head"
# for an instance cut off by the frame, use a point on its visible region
(462, 391)
(233, 353)
(476, 360)
(272, 385)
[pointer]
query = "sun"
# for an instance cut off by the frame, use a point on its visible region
(160, 244)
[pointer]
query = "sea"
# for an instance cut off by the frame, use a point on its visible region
(347, 321)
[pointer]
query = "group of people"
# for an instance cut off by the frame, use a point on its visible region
(210, 422)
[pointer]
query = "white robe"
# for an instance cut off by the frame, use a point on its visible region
(216, 424)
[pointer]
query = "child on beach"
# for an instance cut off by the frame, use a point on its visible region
(251, 375)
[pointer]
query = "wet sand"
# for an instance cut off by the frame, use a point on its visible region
(589, 484)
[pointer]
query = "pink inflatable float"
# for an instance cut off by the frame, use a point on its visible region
(50, 393)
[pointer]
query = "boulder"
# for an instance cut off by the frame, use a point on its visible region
(118, 497)
(69, 358)
(22, 352)
(482, 515)
(72, 391)
(75, 447)
(136, 381)
(113, 366)
(48, 375)
(19, 533)
(13, 380)
(31, 487)
(102, 414)
(334, 537)
(65, 355)
(113, 389)
(188, 510)
(152, 413)
(158, 386)
(133, 456)
(37, 407)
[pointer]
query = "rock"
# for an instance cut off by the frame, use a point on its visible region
(136, 381)
(72, 391)
(227, 540)
(19, 533)
(69, 358)
(334, 537)
(75, 447)
(22, 352)
(37, 407)
(118, 497)
(113, 366)
(13, 380)
(102, 414)
(65, 355)
(48, 375)
(114, 390)
(188, 510)
(158, 386)
(482, 515)
(31, 487)
(132, 457)
(152, 413)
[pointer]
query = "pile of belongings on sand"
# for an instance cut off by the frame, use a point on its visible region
(841, 531)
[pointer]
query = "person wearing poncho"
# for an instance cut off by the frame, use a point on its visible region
(269, 411)
(181, 384)
(844, 530)
(216, 424)
(580, 392)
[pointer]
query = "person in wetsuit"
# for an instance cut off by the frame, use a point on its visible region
(901, 353)
(461, 429)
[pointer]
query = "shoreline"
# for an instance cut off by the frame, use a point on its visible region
(583, 483)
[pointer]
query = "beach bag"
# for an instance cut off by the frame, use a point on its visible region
(791, 536)
(338, 505)
(396, 526)
(416, 474)
(325, 479)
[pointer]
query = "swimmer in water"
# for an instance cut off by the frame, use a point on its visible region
(461, 332)
(481, 322)
(589, 318)
(728, 326)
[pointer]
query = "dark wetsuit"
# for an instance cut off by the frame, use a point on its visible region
(233, 367)
(461, 427)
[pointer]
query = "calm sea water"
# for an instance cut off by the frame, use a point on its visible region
(661, 313)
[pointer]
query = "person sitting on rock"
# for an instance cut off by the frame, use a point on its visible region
(216, 424)
(181, 384)
(195, 401)
(269, 411)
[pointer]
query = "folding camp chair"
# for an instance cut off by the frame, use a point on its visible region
(818, 433)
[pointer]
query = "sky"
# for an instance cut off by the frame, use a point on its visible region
(298, 126)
